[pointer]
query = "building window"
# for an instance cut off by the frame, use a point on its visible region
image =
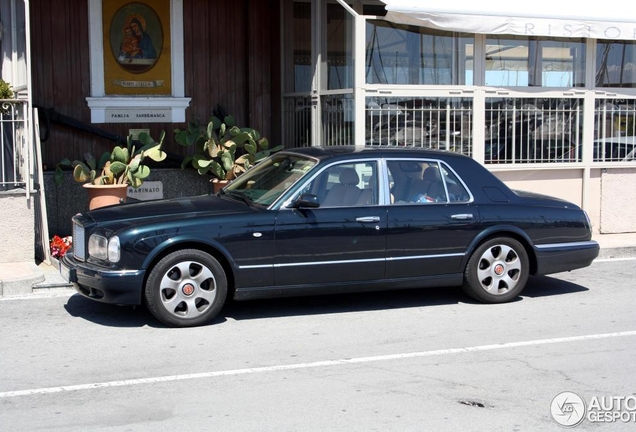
(519, 61)
(339, 43)
(297, 47)
(615, 63)
(399, 54)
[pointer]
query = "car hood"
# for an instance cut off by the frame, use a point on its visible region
(171, 209)
(546, 200)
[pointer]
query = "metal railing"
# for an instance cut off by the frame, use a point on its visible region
(337, 119)
(517, 129)
(15, 161)
(439, 123)
(297, 121)
(533, 130)
(615, 130)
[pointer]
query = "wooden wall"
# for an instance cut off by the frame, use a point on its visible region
(231, 58)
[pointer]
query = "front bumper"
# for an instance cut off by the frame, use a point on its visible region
(108, 286)
(556, 258)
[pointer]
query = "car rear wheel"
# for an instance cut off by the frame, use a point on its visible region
(497, 271)
(186, 288)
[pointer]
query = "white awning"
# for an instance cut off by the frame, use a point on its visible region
(598, 20)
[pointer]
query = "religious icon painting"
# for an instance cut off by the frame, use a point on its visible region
(137, 47)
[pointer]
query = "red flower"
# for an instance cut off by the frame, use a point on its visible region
(59, 246)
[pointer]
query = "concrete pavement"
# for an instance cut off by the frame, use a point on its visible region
(21, 278)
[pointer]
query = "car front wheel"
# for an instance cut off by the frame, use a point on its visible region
(497, 271)
(186, 288)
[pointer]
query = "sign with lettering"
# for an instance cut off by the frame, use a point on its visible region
(141, 115)
(149, 190)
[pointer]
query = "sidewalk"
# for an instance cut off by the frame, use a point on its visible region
(26, 277)
(616, 245)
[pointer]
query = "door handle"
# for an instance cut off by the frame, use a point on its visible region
(462, 216)
(368, 219)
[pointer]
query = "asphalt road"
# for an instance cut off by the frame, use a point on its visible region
(419, 360)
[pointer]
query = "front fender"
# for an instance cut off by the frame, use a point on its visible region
(163, 242)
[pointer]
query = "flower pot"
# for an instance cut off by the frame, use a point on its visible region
(217, 184)
(105, 195)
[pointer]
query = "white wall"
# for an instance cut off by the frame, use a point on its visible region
(618, 200)
(17, 229)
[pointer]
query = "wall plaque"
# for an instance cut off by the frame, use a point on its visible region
(115, 115)
(149, 190)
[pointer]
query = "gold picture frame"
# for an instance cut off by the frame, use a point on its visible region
(137, 51)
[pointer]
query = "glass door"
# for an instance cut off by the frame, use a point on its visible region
(318, 45)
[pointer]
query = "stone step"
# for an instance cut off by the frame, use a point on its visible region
(19, 278)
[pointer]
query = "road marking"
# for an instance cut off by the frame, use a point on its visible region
(317, 364)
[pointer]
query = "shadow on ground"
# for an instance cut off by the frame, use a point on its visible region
(545, 286)
(127, 316)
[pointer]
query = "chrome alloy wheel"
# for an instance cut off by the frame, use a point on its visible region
(188, 289)
(499, 269)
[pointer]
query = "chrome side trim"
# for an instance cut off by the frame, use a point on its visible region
(329, 262)
(590, 243)
(259, 266)
(310, 263)
(425, 256)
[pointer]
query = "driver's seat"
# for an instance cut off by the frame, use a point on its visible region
(346, 192)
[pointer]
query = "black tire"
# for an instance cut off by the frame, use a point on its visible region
(186, 288)
(497, 271)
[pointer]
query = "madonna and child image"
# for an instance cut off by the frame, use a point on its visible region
(136, 37)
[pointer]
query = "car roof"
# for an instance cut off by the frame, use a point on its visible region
(331, 152)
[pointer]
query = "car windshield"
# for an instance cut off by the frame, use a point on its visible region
(264, 183)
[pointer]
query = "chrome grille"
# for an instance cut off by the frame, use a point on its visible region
(79, 242)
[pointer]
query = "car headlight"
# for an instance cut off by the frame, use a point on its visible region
(105, 249)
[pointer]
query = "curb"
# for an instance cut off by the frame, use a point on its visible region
(19, 278)
(617, 252)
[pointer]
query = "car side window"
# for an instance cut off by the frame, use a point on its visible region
(456, 190)
(411, 181)
(346, 185)
(424, 182)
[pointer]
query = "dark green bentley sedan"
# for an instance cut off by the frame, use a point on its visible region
(327, 220)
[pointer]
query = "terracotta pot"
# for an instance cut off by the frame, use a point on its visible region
(105, 195)
(217, 184)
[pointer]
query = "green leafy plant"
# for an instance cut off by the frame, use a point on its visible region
(5, 90)
(5, 93)
(122, 165)
(222, 149)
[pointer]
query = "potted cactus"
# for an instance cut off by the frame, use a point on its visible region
(107, 180)
(223, 149)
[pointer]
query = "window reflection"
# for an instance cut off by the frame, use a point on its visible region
(615, 64)
(521, 61)
(297, 46)
(399, 54)
(339, 48)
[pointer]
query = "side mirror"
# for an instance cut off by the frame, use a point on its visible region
(306, 201)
